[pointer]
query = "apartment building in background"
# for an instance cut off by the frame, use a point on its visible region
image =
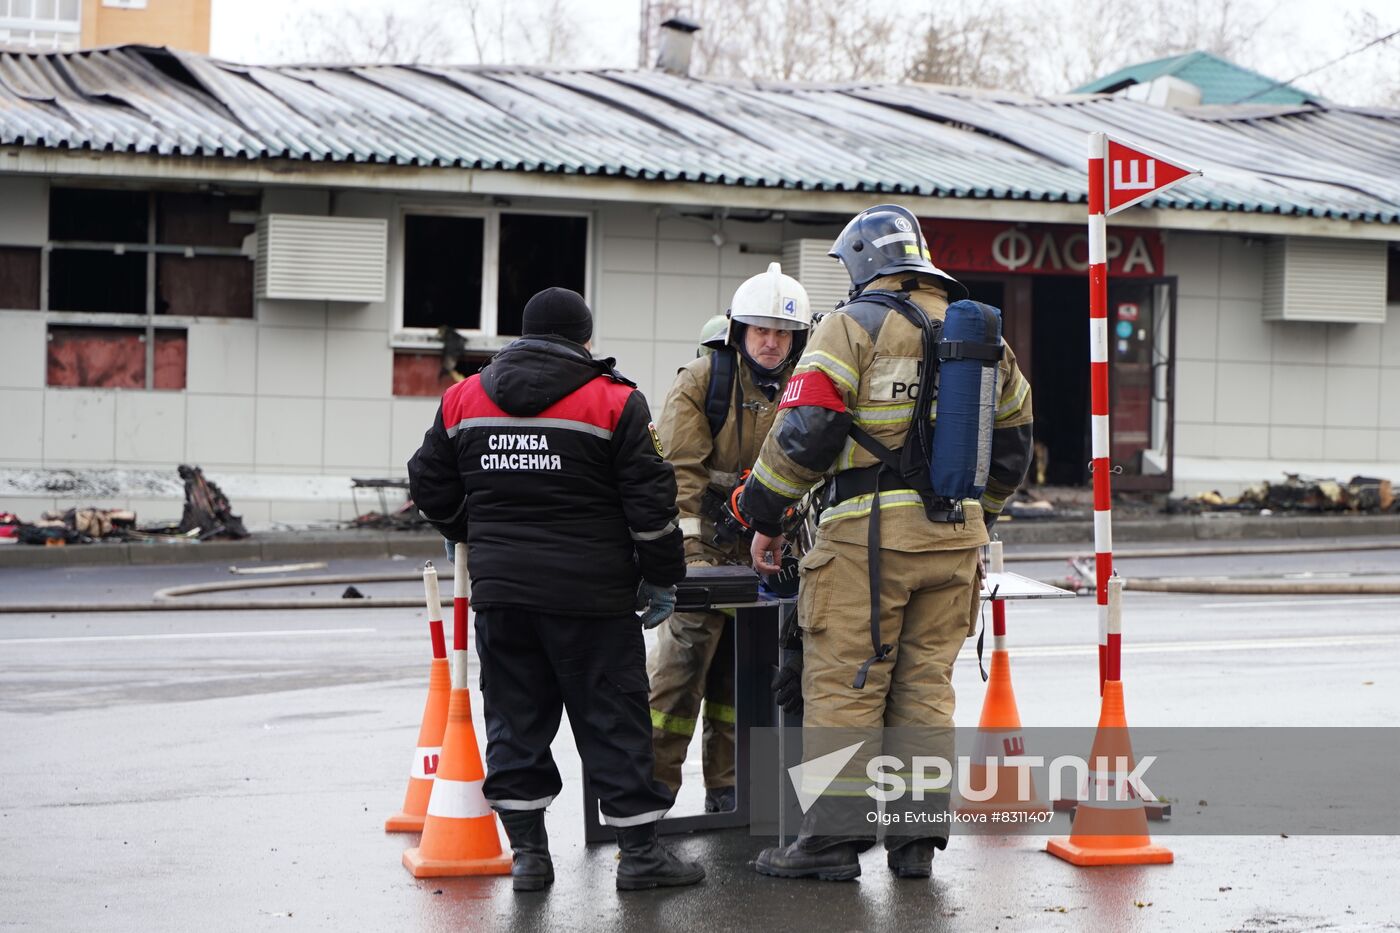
(69, 25)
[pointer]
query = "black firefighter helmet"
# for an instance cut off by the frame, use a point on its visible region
(886, 240)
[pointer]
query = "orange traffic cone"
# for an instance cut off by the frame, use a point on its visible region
(434, 724)
(459, 831)
(999, 737)
(1110, 824)
(999, 730)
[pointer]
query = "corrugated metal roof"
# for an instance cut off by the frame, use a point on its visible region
(1220, 81)
(894, 139)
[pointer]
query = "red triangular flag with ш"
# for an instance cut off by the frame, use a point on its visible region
(1133, 174)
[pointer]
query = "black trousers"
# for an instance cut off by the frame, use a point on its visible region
(536, 665)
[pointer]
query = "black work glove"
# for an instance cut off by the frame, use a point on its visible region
(787, 685)
(655, 603)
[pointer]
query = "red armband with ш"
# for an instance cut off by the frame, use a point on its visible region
(813, 387)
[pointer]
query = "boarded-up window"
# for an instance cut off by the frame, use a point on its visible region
(420, 375)
(100, 259)
(19, 278)
(97, 357)
(172, 349)
(442, 261)
(204, 286)
(202, 219)
(537, 251)
(114, 358)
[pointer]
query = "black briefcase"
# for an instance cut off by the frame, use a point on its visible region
(707, 587)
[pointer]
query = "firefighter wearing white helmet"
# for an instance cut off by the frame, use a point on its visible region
(713, 423)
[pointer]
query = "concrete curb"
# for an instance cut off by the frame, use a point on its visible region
(1211, 526)
(349, 543)
(270, 546)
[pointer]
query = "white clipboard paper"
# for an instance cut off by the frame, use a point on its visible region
(1015, 586)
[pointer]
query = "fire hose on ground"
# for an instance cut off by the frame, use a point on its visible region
(177, 598)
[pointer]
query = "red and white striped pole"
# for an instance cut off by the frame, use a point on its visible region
(1098, 382)
(460, 605)
(434, 601)
(434, 614)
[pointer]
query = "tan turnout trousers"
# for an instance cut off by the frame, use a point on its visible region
(693, 659)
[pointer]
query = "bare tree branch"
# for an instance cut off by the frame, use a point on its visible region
(448, 31)
(369, 37)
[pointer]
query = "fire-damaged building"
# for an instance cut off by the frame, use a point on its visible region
(272, 272)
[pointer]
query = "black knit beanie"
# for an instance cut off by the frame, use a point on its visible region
(558, 311)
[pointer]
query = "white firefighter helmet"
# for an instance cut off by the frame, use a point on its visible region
(771, 299)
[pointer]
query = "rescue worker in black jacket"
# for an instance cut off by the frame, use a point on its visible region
(547, 465)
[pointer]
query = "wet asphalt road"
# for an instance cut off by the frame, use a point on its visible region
(233, 771)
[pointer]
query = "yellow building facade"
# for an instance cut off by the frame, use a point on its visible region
(180, 24)
(67, 25)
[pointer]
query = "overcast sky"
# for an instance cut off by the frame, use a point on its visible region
(1303, 35)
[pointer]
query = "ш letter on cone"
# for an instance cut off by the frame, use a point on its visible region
(999, 734)
(999, 737)
(459, 833)
(434, 723)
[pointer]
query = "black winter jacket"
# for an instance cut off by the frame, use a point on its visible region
(546, 465)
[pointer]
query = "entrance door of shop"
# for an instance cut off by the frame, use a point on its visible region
(1140, 353)
(1060, 380)
(1140, 336)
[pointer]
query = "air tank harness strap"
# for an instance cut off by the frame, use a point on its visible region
(872, 544)
(982, 635)
(965, 350)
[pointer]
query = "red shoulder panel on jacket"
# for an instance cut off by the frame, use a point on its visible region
(812, 387)
(467, 396)
(598, 402)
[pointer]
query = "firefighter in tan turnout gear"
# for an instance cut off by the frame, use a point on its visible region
(715, 418)
(888, 593)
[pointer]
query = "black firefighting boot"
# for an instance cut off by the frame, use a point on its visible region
(532, 869)
(910, 858)
(818, 852)
(646, 863)
(830, 858)
(719, 799)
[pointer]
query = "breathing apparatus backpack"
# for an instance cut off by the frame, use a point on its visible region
(948, 461)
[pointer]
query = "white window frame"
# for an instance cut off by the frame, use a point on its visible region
(55, 28)
(485, 336)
